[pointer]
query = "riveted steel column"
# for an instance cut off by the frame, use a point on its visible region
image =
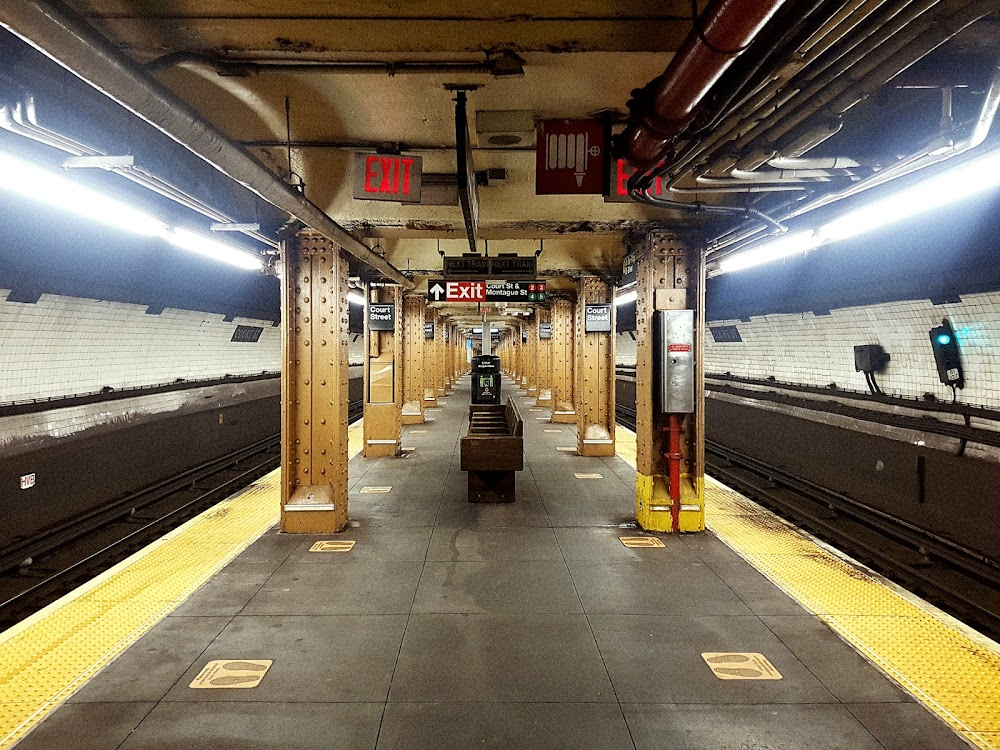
(595, 374)
(668, 274)
(414, 311)
(544, 358)
(430, 371)
(314, 392)
(440, 371)
(563, 362)
(383, 382)
(531, 350)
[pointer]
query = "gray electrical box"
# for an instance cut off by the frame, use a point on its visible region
(676, 361)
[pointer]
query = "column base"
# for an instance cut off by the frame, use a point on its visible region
(412, 418)
(381, 448)
(564, 417)
(313, 509)
(596, 448)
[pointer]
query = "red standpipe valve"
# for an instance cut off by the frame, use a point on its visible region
(674, 457)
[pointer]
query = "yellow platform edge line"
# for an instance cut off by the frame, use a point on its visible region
(35, 643)
(951, 669)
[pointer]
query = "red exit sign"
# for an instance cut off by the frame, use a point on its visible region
(621, 171)
(387, 177)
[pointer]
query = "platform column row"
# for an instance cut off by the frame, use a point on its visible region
(595, 373)
(383, 378)
(414, 314)
(563, 351)
(543, 332)
(314, 390)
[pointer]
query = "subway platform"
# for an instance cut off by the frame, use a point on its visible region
(458, 625)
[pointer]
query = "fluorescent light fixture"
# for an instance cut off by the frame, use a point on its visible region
(355, 299)
(626, 298)
(211, 248)
(946, 187)
(44, 185)
(789, 244)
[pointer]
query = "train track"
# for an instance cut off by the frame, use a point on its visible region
(46, 567)
(950, 576)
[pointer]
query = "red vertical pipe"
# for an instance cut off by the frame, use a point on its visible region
(674, 462)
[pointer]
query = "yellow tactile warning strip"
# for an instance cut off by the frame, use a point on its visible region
(951, 669)
(46, 658)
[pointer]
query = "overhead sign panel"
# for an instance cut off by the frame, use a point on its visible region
(471, 292)
(570, 157)
(497, 267)
(387, 177)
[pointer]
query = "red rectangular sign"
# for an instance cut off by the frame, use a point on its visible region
(570, 157)
(457, 291)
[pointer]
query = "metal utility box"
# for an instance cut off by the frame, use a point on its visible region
(676, 361)
(486, 379)
(870, 358)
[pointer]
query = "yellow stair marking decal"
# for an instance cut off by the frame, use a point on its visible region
(950, 668)
(50, 655)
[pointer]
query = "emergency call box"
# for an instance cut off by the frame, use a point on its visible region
(676, 361)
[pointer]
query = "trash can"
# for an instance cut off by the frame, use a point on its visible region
(486, 379)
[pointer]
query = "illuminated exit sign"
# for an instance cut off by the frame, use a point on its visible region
(618, 189)
(387, 177)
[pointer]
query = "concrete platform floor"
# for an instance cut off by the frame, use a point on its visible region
(452, 625)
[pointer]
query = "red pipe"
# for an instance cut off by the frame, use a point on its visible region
(727, 28)
(674, 457)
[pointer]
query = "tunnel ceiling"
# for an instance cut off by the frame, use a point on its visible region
(579, 60)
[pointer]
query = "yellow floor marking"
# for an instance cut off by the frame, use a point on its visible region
(50, 655)
(734, 666)
(641, 542)
(372, 490)
(231, 673)
(344, 546)
(950, 668)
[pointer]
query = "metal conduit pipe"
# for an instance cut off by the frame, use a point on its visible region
(832, 162)
(762, 100)
(67, 39)
(721, 34)
(977, 136)
(895, 40)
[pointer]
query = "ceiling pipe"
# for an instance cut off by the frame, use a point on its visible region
(64, 37)
(667, 105)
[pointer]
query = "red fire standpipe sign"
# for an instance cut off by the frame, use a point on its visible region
(571, 157)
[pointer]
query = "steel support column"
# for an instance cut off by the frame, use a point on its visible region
(669, 277)
(314, 392)
(383, 381)
(544, 359)
(440, 369)
(563, 362)
(430, 360)
(414, 312)
(531, 349)
(595, 374)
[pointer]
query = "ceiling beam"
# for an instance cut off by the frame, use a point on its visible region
(70, 41)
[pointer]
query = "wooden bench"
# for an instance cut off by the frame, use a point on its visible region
(492, 450)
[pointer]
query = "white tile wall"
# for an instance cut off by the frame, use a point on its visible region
(818, 350)
(66, 345)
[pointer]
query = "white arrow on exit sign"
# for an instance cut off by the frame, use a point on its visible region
(437, 290)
